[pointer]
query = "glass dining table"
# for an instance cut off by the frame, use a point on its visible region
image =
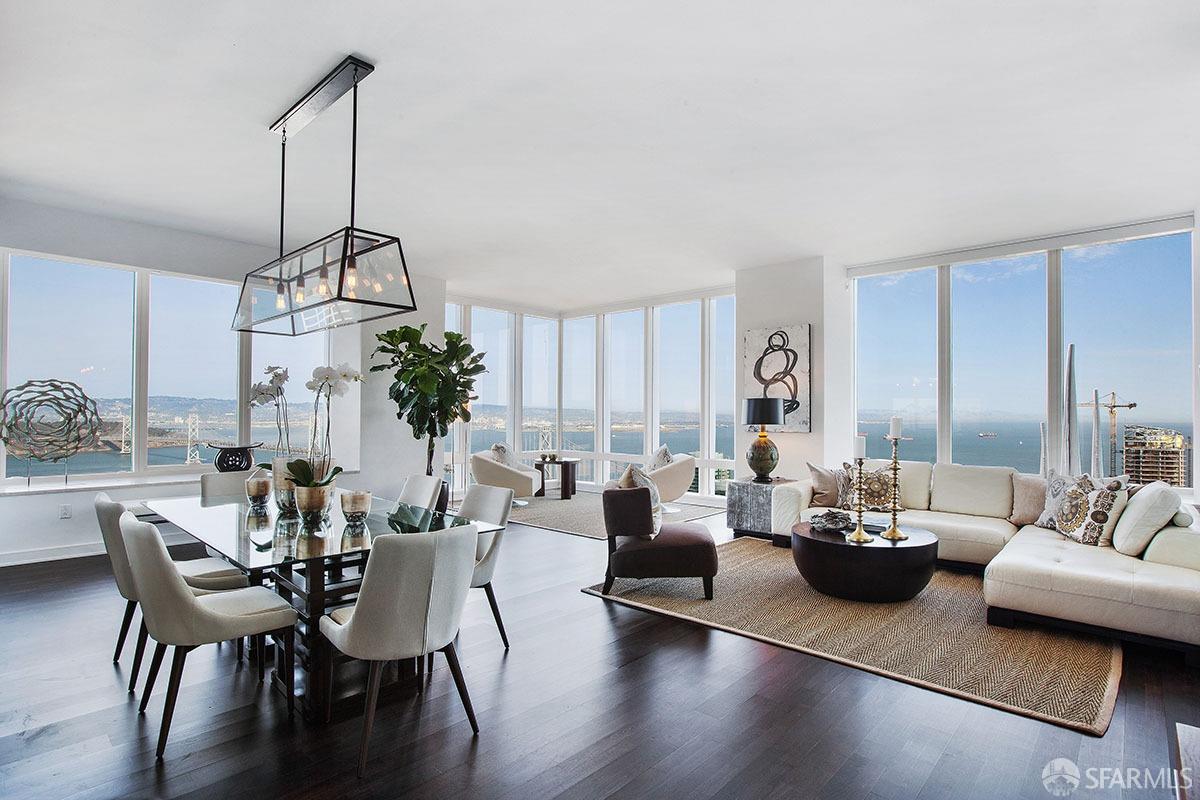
(316, 569)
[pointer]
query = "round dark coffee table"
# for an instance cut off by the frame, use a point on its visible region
(879, 571)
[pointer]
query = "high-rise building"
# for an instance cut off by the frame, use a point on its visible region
(1157, 454)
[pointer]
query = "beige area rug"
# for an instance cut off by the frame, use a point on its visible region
(583, 514)
(939, 640)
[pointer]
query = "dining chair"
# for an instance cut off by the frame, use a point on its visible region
(410, 603)
(488, 504)
(179, 618)
(224, 484)
(202, 574)
(421, 491)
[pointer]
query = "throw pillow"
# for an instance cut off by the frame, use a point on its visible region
(1090, 509)
(1183, 518)
(502, 455)
(1056, 491)
(660, 459)
(632, 478)
(1029, 499)
(877, 489)
(1148, 512)
(832, 488)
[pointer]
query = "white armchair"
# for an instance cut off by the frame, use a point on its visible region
(490, 472)
(674, 479)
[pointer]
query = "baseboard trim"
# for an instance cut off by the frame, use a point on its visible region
(38, 555)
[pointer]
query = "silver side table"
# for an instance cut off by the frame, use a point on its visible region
(748, 507)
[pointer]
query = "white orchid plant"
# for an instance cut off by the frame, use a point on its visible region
(270, 392)
(327, 383)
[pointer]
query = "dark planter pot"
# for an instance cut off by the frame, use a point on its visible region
(443, 500)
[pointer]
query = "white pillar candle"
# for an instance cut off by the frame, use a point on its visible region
(895, 429)
(860, 446)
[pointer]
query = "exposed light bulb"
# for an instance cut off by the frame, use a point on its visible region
(280, 297)
(323, 285)
(351, 272)
(404, 278)
(390, 277)
(350, 294)
(378, 287)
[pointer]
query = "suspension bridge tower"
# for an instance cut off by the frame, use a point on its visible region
(193, 439)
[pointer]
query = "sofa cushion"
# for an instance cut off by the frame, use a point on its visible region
(1090, 510)
(980, 491)
(661, 457)
(1029, 499)
(961, 537)
(1042, 572)
(632, 478)
(501, 454)
(830, 487)
(1056, 490)
(681, 550)
(1148, 511)
(1183, 518)
(1179, 547)
(914, 481)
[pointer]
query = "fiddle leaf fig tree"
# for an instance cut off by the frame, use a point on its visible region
(432, 386)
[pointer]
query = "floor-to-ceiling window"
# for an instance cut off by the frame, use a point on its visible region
(452, 445)
(997, 332)
(193, 370)
(677, 359)
(579, 390)
(896, 346)
(1127, 309)
(491, 414)
(299, 355)
(625, 379)
(75, 322)
(723, 386)
(539, 383)
(999, 361)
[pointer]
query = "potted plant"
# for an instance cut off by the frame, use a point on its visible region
(314, 490)
(432, 385)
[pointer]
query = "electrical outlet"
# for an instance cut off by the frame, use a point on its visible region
(64, 512)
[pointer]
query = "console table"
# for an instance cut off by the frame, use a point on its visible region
(748, 509)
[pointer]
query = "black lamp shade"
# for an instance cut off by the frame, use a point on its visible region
(764, 411)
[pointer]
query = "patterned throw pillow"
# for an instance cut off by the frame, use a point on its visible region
(660, 459)
(832, 488)
(1090, 509)
(502, 455)
(1056, 492)
(632, 478)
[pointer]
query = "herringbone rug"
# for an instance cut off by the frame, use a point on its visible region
(939, 640)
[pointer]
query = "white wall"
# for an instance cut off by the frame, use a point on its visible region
(816, 291)
(389, 452)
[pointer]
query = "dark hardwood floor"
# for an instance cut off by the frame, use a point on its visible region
(593, 700)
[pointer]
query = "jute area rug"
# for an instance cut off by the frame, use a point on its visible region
(583, 514)
(939, 640)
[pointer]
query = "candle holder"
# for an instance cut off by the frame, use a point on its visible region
(859, 535)
(894, 533)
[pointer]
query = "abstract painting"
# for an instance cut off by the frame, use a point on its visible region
(776, 362)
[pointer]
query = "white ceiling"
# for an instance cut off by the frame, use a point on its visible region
(567, 153)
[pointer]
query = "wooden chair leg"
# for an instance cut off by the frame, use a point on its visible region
(608, 582)
(177, 659)
(708, 588)
(373, 680)
(137, 655)
(288, 635)
(491, 596)
(261, 650)
(326, 652)
(240, 648)
(456, 671)
(429, 666)
(125, 623)
(160, 650)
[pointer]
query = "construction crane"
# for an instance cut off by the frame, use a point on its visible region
(1110, 401)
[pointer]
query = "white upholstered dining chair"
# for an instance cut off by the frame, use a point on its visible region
(223, 484)
(202, 574)
(488, 504)
(421, 491)
(178, 618)
(410, 604)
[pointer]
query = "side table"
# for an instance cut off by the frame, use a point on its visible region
(568, 472)
(748, 509)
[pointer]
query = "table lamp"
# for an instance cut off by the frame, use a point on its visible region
(763, 455)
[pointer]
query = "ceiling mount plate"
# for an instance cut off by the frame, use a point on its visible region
(320, 97)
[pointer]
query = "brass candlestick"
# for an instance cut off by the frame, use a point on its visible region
(894, 533)
(859, 535)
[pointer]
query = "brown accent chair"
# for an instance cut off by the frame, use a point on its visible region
(681, 549)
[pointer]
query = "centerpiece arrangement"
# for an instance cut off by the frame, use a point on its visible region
(432, 385)
(271, 393)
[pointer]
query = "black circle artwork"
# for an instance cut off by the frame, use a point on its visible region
(784, 375)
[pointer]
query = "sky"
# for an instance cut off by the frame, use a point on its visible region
(1126, 306)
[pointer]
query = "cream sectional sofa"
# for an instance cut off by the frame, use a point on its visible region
(1031, 572)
